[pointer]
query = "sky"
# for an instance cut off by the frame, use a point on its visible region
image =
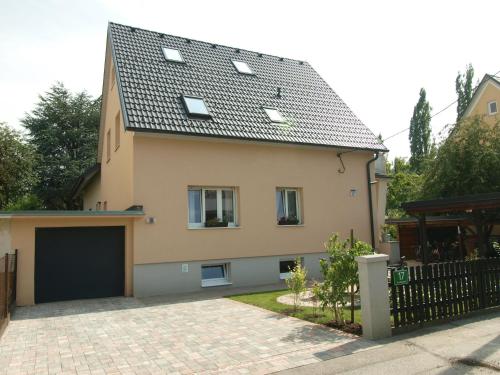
(375, 54)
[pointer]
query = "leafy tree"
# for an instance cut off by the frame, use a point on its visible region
(467, 162)
(464, 89)
(296, 282)
(63, 129)
(405, 186)
(420, 132)
(16, 167)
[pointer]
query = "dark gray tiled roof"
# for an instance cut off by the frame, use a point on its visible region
(151, 88)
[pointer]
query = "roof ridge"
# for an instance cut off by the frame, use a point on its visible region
(211, 44)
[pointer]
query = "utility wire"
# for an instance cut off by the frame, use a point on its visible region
(435, 114)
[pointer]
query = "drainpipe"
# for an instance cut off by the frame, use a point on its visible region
(370, 199)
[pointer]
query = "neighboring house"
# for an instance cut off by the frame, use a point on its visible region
(486, 100)
(225, 165)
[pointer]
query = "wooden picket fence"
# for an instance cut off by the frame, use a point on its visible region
(8, 280)
(445, 291)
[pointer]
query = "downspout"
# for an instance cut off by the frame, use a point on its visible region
(370, 199)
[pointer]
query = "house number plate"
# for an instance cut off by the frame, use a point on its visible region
(400, 277)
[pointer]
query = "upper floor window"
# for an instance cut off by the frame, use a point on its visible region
(242, 67)
(172, 54)
(108, 145)
(287, 206)
(492, 108)
(274, 115)
(195, 106)
(117, 131)
(212, 207)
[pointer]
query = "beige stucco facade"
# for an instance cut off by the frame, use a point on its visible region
(22, 237)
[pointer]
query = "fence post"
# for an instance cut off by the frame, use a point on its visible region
(6, 284)
(374, 293)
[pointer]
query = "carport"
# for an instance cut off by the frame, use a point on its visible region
(66, 255)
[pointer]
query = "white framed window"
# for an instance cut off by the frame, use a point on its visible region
(288, 206)
(242, 67)
(172, 54)
(492, 108)
(212, 207)
(274, 115)
(286, 265)
(215, 274)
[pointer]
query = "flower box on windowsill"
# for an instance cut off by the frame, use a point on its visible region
(288, 221)
(215, 223)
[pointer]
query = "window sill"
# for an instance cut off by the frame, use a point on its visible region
(212, 283)
(284, 275)
(211, 228)
(289, 225)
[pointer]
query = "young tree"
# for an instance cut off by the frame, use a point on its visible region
(467, 162)
(340, 271)
(16, 167)
(297, 282)
(420, 133)
(464, 89)
(63, 129)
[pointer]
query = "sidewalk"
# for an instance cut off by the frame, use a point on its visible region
(469, 346)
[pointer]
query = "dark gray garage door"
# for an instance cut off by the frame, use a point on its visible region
(79, 262)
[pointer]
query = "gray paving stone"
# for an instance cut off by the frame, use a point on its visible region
(158, 336)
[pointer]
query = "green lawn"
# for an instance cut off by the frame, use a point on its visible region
(267, 300)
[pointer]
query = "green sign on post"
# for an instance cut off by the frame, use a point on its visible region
(400, 276)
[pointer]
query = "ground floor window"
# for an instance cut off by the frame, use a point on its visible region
(212, 207)
(287, 265)
(215, 274)
(287, 206)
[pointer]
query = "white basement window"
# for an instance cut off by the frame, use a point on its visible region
(195, 106)
(215, 275)
(287, 206)
(274, 115)
(242, 67)
(212, 207)
(492, 108)
(172, 54)
(288, 265)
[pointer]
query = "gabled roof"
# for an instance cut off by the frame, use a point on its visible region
(488, 78)
(151, 87)
(83, 181)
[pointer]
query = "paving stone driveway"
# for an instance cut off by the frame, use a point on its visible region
(154, 336)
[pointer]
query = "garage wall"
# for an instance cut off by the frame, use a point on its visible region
(23, 239)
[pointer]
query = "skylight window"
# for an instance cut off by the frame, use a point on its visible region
(242, 67)
(172, 54)
(195, 106)
(274, 115)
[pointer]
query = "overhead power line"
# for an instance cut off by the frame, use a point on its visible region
(433, 115)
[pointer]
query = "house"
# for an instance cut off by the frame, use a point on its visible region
(485, 100)
(222, 165)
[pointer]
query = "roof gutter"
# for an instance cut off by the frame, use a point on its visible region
(370, 198)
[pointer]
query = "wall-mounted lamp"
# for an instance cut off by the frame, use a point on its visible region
(353, 192)
(150, 220)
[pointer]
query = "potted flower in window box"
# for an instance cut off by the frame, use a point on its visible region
(288, 220)
(215, 223)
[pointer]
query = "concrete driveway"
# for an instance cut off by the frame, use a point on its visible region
(158, 336)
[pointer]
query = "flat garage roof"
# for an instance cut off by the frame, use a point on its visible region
(70, 213)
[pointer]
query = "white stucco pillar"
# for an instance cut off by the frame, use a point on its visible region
(375, 309)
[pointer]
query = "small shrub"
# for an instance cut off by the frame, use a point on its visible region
(296, 283)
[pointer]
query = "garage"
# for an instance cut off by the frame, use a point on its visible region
(79, 262)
